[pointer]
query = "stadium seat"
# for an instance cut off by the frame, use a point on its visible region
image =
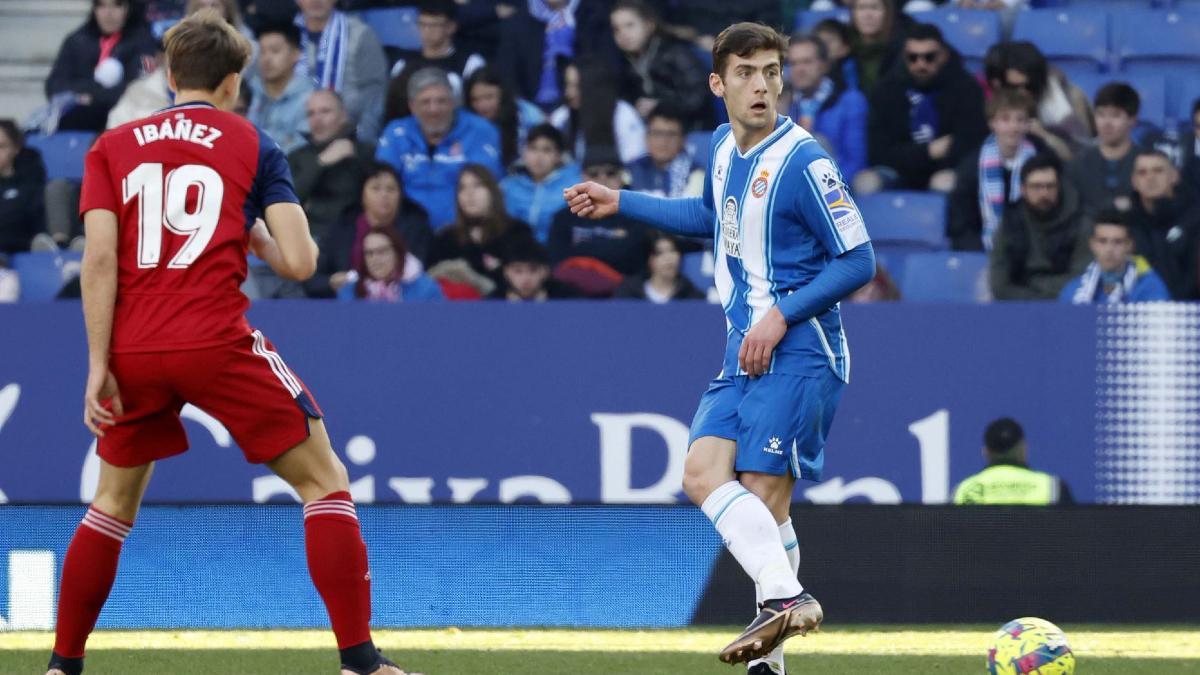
(805, 20)
(1151, 89)
(1163, 42)
(63, 152)
(42, 273)
(1188, 92)
(1072, 39)
(699, 145)
(395, 26)
(698, 267)
(946, 276)
(916, 220)
(970, 31)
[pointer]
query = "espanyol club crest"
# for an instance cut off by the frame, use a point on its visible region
(759, 187)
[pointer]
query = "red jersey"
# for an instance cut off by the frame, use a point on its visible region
(187, 184)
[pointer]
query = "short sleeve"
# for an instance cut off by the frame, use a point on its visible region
(828, 209)
(273, 182)
(98, 190)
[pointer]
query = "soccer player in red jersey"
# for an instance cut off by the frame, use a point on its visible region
(171, 203)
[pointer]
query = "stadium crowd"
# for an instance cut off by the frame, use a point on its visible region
(436, 172)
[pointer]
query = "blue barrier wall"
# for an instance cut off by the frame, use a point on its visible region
(591, 402)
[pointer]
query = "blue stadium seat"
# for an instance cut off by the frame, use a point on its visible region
(805, 20)
(395, 26)
(698, 267)
(970, 31)
(1188, 92)
(43, 273)
(916, 220)
(946, 276)
(63, 152)
(699, 144)
(1164, 42)
(1151, 89)
(1072, 39)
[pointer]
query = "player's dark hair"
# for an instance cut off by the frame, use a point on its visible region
(1009, 99)
(665, 110)
(546, 131)
(1002, 436)
(398, 247)
(492, 225)
(811, 39)
(1111, 217)
(1042, 160)
(288, 30)
(833, 26)
(1119, 95)
(746, 39)
(203, 49)
(925, 31)
(507, 117)
(9, 128)
(446, 8)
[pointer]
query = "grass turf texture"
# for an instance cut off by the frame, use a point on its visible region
(1132, 650)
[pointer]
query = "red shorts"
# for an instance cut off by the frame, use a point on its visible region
(245, 385)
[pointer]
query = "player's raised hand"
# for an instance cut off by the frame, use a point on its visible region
(592, 200)
(755, 355)
(101, 387)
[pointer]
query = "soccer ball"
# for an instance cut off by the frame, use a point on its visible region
(1030, 645)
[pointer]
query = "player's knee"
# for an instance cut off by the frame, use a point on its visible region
(118, 503)
(698, 484)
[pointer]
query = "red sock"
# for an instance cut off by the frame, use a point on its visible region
(337, 562)
(87, 576)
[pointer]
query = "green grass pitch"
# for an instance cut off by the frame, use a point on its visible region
(837, 650)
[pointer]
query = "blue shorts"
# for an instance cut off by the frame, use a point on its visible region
(779, 421)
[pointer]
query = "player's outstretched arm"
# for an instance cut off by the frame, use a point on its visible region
(687, 216)
(98, 284)
(285, 243)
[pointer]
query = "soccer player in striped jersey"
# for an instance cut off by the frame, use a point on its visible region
(171, 203)
(790, 244)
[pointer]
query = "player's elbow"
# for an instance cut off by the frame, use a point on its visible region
(864, 258)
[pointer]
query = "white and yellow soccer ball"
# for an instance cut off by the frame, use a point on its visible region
(1030, 646)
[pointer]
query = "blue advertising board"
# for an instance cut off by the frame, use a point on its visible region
(591, 402)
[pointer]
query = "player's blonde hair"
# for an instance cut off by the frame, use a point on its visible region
(203, 49)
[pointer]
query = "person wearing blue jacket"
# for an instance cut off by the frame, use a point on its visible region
(534, 194)
(1116, 275)
(431, 146)
(826, 107)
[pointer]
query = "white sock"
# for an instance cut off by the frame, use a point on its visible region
(752, 536)
(787, 534)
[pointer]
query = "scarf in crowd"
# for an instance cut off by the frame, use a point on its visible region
(328, 70)
(560, 43)
(1094, 281)
(808, 107)
(384, 290)
(991, 184)
(922, 116)
(678, 172)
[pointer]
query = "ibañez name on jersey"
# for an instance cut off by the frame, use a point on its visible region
(783, 212)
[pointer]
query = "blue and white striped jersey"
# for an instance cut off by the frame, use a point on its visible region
(782, 213)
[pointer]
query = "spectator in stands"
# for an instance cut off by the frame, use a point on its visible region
(1042, 242)
(1102, 173)
(437, 23)
(535, 44)
(989, 179)
(594, 115)
(881, 288)
(22, 182)
(481, 229)
(924, 118)
(836, 37)
(233, 15)
(1165, 223)
(663, 281)
(279, 95)
(1190, 150)
(825, 107)
(431, 146)
(877, 35)
(1008, 478)
(658, 66)
(245, 98)
(534, 193)
(480, 23)
(526, 274)
(342, 53)
(668, 169)
(617, 241)
(1063, 119)
(487, 96)
(144, 96)
(328, 170)
(390, 273)
(1115, 274)
(96, 62)
(703, 20)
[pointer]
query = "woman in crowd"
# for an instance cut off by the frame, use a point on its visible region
(487, 97)
(481, 228)
(389, 273)
(663, 281)
(658, 66)
(595, 115)
(1064, 115)
(96, 62)
(22, 181)
(876, 40)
